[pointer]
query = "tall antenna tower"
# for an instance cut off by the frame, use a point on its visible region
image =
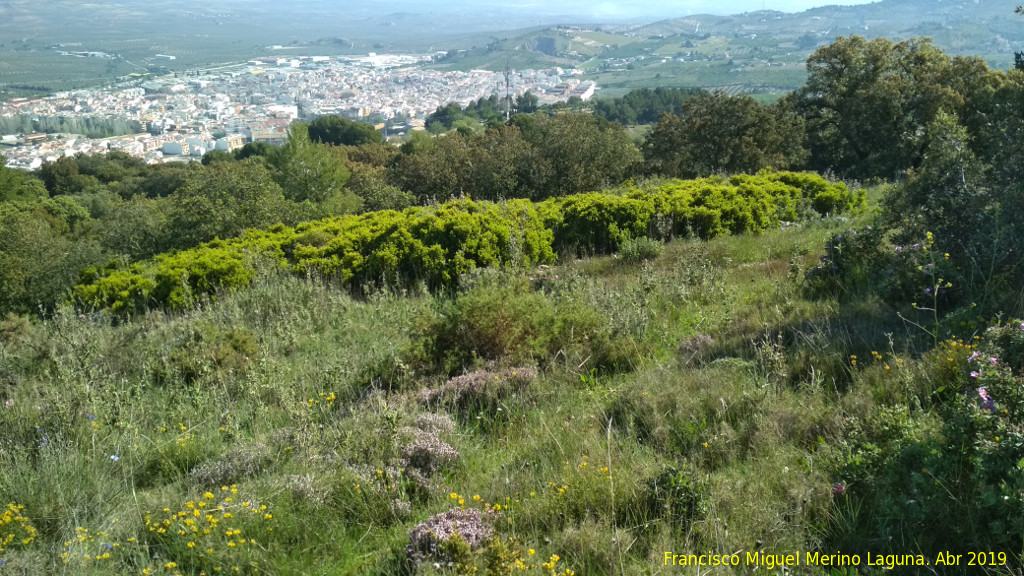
(508, 71)
(508, 92)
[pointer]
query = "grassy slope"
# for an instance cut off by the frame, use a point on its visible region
(238, 392)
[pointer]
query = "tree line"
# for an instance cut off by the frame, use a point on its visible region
(641, 106)
(89, 126)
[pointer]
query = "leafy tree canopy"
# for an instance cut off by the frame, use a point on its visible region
(720, 133)
(340, 131)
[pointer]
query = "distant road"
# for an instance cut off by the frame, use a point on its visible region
(223, 66)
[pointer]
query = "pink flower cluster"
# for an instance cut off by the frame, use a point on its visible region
(425, 540)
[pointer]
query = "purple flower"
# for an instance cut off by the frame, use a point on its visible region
(1022, 325)
(916, 246)
(986, 401)
(973, 356)
(927, 291)
(899, 249)
(838, 488)
(975, 374)
(992, 361)
(90, 416)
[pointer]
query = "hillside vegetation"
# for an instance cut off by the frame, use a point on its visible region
(537, 347)
(438, 245)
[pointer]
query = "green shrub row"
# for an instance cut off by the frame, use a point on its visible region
(435, 245)
(703, 208)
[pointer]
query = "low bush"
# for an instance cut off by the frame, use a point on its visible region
(901, 269)
(677, 496)
(503, 318)
(963, 464)
(640, 250)
(232, 466)
(427, 540)
(207, 350)
(489, 322)
(482, 390)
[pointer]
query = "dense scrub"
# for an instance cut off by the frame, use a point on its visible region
(435, 246)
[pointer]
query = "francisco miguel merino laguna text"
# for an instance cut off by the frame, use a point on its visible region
(771, 561)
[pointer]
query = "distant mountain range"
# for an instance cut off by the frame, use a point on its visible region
(885, 18)
(275, 22)
(528, 33)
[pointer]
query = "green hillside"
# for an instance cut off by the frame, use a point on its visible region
(603, 411)
(337, 415)
(762, 334)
